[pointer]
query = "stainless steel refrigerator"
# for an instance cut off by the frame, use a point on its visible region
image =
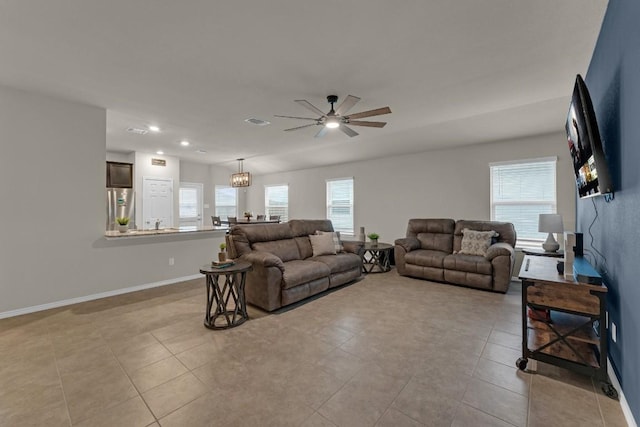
(120, 203)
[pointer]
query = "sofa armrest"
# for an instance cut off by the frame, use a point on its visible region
(353, 247)
(263, 259)
(498, 249)
(408, 243)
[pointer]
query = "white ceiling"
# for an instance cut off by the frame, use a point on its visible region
(453, 72)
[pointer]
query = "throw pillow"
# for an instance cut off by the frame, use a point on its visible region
(476, 242)
(336, 239)
(322, 244)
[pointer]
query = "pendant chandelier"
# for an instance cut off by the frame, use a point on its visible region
(240, 179)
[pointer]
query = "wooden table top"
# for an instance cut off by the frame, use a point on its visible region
(543, 269)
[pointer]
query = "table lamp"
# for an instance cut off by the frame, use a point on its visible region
(550, 223)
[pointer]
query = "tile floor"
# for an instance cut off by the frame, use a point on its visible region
(386, 351)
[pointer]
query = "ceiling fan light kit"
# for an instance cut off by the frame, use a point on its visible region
(338, 118)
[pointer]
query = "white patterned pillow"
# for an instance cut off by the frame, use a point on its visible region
(336, 239)
(476, 242)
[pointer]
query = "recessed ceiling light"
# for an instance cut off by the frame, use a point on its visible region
(159, 152)
(153, 128)
(257, 122)
(184, 143)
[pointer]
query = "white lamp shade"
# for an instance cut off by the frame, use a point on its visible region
(550, 223)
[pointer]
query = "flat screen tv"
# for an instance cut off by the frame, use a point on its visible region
(585, 146)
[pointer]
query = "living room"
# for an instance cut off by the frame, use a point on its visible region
(54, 149)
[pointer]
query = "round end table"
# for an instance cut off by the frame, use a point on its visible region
(219, 295)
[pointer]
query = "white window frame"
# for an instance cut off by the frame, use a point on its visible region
(218, 206)
(330, 205)
(199, 203)
(523, 242)
(267, 209)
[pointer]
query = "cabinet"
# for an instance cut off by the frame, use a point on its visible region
(573, 333)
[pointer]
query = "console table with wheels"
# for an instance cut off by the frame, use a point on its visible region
(571, 332)
(219, 314)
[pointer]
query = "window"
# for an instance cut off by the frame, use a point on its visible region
(226, 200)
(276, 201)
(190, 204)
(522, 190)
(340, 204)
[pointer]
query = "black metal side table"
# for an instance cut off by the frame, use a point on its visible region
(376, 258)
(218, 314)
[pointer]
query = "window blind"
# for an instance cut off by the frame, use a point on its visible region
(188, 202)
(276, 199)
(520, 192)
(340, 204)
(226, 201)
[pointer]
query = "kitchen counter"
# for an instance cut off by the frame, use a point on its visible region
(115, 234)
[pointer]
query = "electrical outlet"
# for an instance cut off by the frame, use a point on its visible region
(614, 332)
(172, 261)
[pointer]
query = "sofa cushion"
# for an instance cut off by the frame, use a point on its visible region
(322, 244)
(286, 249)
(476, 242)
(242, 237)
(426, 258)
(339, 262)
(468, 263)
(297, 272)
(434, 234)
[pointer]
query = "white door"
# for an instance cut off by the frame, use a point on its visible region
(157, 202)
(190, 204)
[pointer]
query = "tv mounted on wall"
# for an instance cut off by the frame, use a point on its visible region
(585, 146)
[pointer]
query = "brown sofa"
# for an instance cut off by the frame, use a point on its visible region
(430, 251)
(284, 268)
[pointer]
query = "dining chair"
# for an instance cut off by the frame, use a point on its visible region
(274, 217)
(216, 220)
(260, 218)
(232, 220)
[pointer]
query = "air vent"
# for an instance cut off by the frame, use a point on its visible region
(257, 122)
(138, 131)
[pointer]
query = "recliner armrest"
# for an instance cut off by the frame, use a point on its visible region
(264, 259)
(353, 247)
(498, 249)
(408, 243)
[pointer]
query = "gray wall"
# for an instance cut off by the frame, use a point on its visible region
(613, 81)
(451, 183)
(52, 190)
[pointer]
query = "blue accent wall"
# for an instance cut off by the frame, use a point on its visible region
(613, 80)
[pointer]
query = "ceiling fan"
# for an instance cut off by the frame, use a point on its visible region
(338, 118)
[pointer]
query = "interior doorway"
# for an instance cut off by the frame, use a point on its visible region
(157, 202)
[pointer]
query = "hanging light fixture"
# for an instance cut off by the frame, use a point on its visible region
(240, 179)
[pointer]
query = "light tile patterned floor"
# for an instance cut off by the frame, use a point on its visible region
(386, 351)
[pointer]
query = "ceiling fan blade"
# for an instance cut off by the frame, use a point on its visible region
(348, 130)
(366, 123)
(322, 132)
(376, 112)
(306, 104)
(300, 127)
(347, 104)
(293, 117)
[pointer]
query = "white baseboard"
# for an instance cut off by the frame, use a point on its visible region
(71, 301)
(626, 410)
